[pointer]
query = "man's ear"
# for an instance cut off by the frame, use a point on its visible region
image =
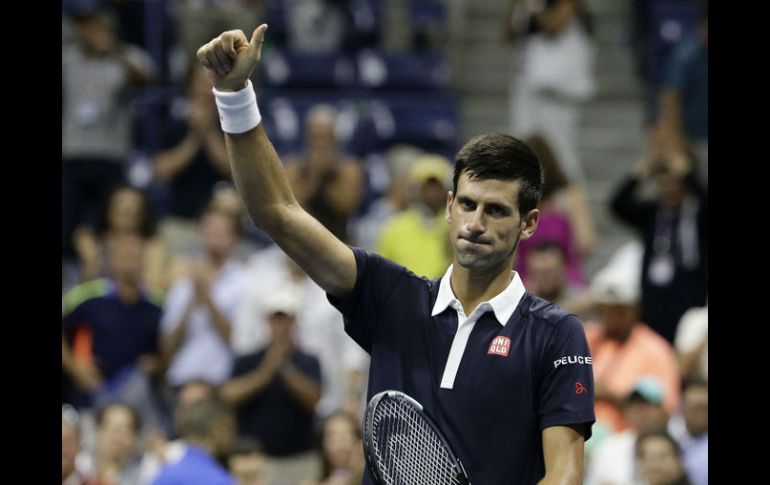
(530, 223)
(448, 209)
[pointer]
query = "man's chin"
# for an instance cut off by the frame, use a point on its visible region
(472, 261)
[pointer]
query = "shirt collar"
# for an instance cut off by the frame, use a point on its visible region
(503, 304)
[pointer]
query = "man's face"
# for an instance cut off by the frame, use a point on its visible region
(96, 34)
(219, 236)
(618, 318)
(281, 325)
(484, 222)
(547, 272)
(125, 211)
(117, 436)
(433, 195)
(126, 256)
(320, 135)
(658, 461)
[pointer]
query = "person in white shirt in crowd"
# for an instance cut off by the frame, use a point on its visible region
(199, 310)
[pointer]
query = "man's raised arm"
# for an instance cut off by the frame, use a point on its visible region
(258, 172)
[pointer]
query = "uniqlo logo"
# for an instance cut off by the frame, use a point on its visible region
(500, 346)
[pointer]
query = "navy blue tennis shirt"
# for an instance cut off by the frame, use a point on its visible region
(492, 380)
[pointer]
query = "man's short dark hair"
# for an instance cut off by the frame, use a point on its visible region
(503, 157)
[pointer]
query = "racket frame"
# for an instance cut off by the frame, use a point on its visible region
(369, 451)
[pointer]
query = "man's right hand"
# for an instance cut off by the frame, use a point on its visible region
(231, 58)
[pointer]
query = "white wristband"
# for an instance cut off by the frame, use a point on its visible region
(238, 111)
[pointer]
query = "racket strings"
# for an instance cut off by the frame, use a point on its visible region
(407, 448)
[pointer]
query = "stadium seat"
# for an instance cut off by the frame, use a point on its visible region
(402, 71)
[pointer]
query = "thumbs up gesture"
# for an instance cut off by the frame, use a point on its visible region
(231, 58)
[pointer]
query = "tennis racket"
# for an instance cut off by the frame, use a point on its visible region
(403, 445)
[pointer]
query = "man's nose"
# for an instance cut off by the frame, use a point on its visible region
(476, 223)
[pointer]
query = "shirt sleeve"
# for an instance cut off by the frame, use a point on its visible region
(71, 320)
(566, 391)
(376, 277)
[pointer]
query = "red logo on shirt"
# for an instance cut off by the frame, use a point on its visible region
(499, 346)
(580, 389)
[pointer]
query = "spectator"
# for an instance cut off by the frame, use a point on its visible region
(565, 217)
(127, 211)
(624, 349)
(400, 159)
(417, 238)
(547, 275)
(694, 439)
(684, 102)
(199, 310)
(110, 328)
(555, 78)
(320, 330)
(328, 184)
(117, 452)
(97, 73)
(162, 452)
(613, 460)
(193, 160)
(246, 462)
(226, 198)
(341, 450)
(692, 343)
(275, 392)
(208, 431)
(70, 447)
(659, 459)
(673, 228)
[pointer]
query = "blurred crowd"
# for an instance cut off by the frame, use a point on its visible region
(195, 351)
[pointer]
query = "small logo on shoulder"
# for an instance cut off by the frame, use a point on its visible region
(580, 389)
(499, 346)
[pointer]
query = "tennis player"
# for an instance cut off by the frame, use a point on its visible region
(506, 375)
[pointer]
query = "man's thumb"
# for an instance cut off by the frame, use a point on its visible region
(257, 39)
